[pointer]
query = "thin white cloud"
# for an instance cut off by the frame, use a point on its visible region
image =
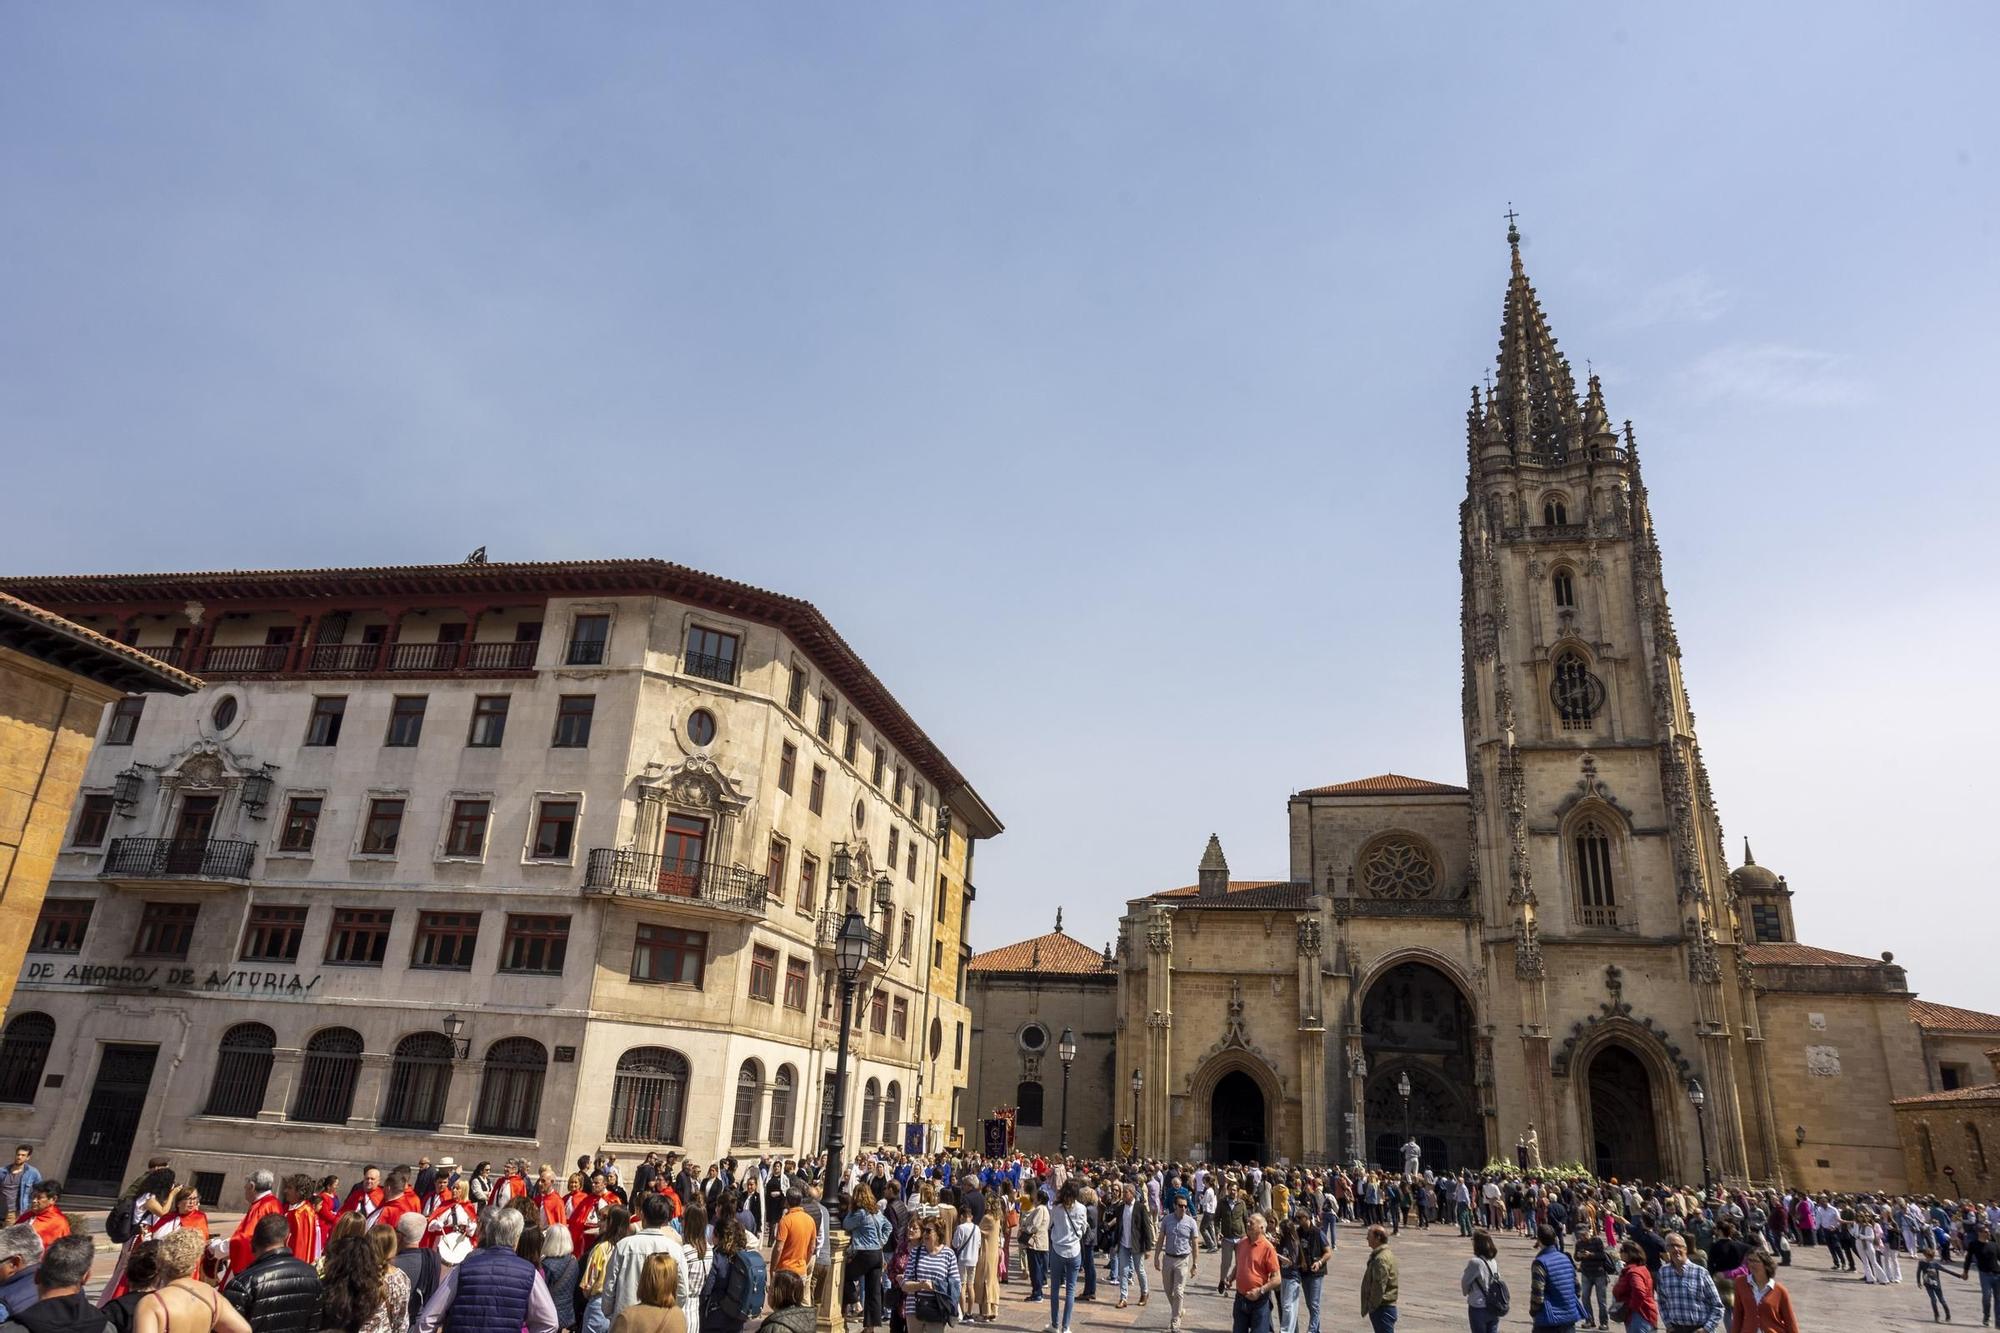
(1691, 298)
(1775, 373)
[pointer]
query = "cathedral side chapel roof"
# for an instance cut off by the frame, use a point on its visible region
(1055, 953)
(1950, 1018)
(1978, 1092)
(1242, 893)
(1386, 784)
(1804, 955)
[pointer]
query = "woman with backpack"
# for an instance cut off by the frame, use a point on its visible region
(1486, 1296)
(734, 1290)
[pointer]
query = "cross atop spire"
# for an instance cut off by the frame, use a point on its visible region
(1748, 859)
(1534, 390)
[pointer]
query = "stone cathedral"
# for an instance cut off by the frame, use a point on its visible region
(1555, 951)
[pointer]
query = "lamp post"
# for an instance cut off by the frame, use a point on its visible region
(850, 949)
(1066, 1052)
(1699, 1099)
(1403, 1091)
(1138, 1086)
(454, 1031)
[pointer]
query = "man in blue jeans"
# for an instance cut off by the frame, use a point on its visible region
(1135, 1242)
(1380, 1289)
(1984, 1253)
(1313, 1257)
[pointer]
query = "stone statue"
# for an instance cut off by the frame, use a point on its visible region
(1534, 1143)
(1521, 1151)
(1412, 1158)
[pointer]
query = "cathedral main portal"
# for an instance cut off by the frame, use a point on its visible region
(1237, 1120)
(1417, 1025)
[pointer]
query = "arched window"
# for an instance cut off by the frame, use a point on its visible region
(242, 1070)
(418, 1081)
(1596, 892)
(871, 1109)
(892, 1113)
(510, 1092)
(1576, 693)
(1975, 1148)
(1555, 511)
(24, 1050)
(749, 1083)
(1028, 1105)
(648, 1096)
(1927, 1148)
(1563, 583)
(783, 1087)
(326, 1079)
(826, 1091)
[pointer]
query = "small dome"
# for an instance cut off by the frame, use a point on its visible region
(1750, 877)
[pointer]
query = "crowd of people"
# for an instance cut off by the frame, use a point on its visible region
(679, 1247)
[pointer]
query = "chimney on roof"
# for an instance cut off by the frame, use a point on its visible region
(1212, 880)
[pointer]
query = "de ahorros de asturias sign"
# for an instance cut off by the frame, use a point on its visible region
(280, 985)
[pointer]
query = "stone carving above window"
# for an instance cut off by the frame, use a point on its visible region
(1398, 867)
(1823, 1061)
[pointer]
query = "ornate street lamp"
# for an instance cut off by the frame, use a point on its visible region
(1403, 1091)
(1699, 1099)
(1066, 1052)
(1138, 1086)
(850, 951)
(454, 1031)
(254, 792)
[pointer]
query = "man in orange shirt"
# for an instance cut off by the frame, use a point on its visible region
(1256, 1279)
(798, 1237)
(44, 1214)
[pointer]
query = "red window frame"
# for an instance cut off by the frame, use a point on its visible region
(775, 866)
(673, 956)
(272, 934)
(763, 974)
(62, 925)
(816, 798)
(788, 766)
(359, 937)
(535, 944)
(93, 822)
(166, 930)
(301, 824)
(808, 883)
(798, 982)
(445, 941)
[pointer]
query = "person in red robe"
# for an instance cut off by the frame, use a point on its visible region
(263, 1202)
(455, 1214)
(397, 1198)
(366, 1196)
(302, 1212)
(514, 1185)
(45, 1213)
(549, 1199)
(326, 1202)
(583, 1218)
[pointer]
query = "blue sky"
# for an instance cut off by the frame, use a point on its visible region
(1099, 369)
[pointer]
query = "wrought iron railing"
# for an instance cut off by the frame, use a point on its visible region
(178, 858)
(1603, 918)
(424, 656)
(244, 658)
(1404, 907)
(710, 666)
(584, 652)
(829, 935)
(515, 656)
(170, 653)
(730, 888)
(343, 658)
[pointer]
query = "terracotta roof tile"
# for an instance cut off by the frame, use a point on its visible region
(1950, 1018)
(1976, 1093)
(1245, 893)
(116, 663)
(1386, 784)
(1804, 955)
(1055, 953)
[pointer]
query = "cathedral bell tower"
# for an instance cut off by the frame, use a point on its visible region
(1595, 836)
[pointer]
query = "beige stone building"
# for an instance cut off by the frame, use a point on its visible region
(487, 859)
(1024, 997)
(1554, 951)
(1950, 1137)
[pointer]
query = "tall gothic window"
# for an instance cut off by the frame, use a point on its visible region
(23, 1052)
(326, 1078)
(242, 1071)
(419, 1078)
(749, 1083)
(1564, 584)
(1975, 1148)
(783, 1085)
(1555, 511)
(871, 1109)
(648, 1096)
(1028, 1105)
(892, 1113)
(1596, 895)
(1576, 693)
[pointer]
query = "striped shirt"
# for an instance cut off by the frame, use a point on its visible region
(939, 1267)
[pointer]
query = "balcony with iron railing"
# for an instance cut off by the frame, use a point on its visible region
(461, 657)
(170, 653)
(584, 652)
(671, 880)
(177, 860)
(1594, 917)
(827, 936)
(711, 666)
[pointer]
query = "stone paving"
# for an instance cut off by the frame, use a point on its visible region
(1429, 1264)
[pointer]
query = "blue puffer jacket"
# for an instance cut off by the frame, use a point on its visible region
(493, 1290)
(1559, 1307)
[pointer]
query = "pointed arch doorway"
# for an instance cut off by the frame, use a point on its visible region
(1624, 1129)
(1237, 1119)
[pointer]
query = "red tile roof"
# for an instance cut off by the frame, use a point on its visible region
(1950, 1018)
(1055, 953)
(1804, 955)
(1386, 784)
(1246, 893)
(82, 650)
(1976, 1093)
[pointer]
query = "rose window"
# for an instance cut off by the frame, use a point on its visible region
(1398, 868)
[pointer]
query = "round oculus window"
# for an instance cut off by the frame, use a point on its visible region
(223, 713)
(701, 726)
(937, 1037)
(1034, 1037)
(860, 814)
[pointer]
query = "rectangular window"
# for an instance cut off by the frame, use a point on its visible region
(826, 718)
(909, 937)
(528, 631)
(878, 1011)
(1766, 925)
(895, 843)
(774, 868)
(850, 748)
(711, 654)
(125, 719)
(445, 940)
(165, 930)
(555, 831)
(489, 721)
(881, 761)
(899, 1018)
(668, 953)
(943, 901)
(360, 936)
(587, 637)
(467, 835)
(808, 883)
(573, 721)
(816, 798)
(763, 974)
(301, 824)
(910, 862)
(795, 692)
(92, 823)
(917, 801)
(788, 767)
(798, 977)
(537, 944)
(384, 827)
(902, 779)
(61, 926)
(958, 1048)
(323, 727)
(273, 933)
(406, 721)
(937, 953)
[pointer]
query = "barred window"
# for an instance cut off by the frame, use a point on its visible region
(749, 1085)
(419, 1079)
(871, 1110)
(1564, 585)
(1596, 893)
(1576, 693)
(892, 1112)
(648, 1096)
(510, 1092)
(242, 1071)
(326, 1078)
(783, 1085)
(24, 1051)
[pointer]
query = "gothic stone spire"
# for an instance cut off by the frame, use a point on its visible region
(1534, 388)
(1212, 880)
